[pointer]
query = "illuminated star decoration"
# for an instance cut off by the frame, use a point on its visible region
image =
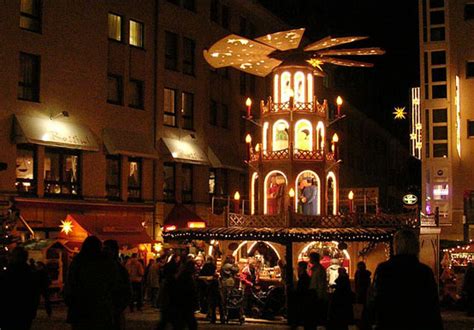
(66, 226)
(315, 63)
(399, 113)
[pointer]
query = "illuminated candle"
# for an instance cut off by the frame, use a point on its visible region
(351, 201)
(237, 202)
(339, 103)
(248, 103)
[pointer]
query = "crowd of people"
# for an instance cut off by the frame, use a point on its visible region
(101, 285)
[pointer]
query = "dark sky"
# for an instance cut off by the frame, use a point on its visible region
(391, 25)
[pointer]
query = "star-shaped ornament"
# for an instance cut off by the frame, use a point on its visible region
(399, 113)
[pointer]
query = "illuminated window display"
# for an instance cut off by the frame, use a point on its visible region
(25, 170)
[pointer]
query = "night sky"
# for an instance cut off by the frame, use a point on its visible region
(391, 25)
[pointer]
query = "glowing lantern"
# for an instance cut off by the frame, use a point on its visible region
(66, 226)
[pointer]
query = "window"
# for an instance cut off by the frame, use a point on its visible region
(437, 17)
(134, 179)
(114, 89)
(438, 74)
(439, 91)
(168, 182)
(440, 191)
(427, 133)
(25, 169)
(213, 113)
(29, 77)
(212, 181)
(215, 11)
(171, 51)
(169, 107)
(470, 70)
(469, 11)
(135, 88)
(30, 15)
(187, 102)
(440, 133)
(115, 27)
(187, 187)
(189, 5)
(62, 170)
(225, 17)
(437, 34)
(438, 57)
(225, 116)
(136, 34)
(436, 4)
(188, 56)
(440, 116)
(112, 184)
(440, 150)
(470, 128)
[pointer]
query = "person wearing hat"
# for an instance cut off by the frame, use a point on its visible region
(309, 197)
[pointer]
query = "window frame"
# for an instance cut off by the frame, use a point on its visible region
(35, 78)
(119, 91)
(187, 195)
(167, 113)
(62, 154)
(122, 28)
(141, 94)
(469, 123)
(139, 187)
(108, 186)
(186, 117)
(142, 32)
(33, 17)
(171, 58)
(189, 62)
(169, 195)
(33, 182)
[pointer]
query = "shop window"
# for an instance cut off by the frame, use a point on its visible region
(213, 113)
(470, 128)
(137, 31)
(114, 89)
(189, 5)
(136, 94)
(188, 56)
(470, 70)
(187, 183)
(169, 107)
(112, 184)
(469, 11)
(171, 51)
(440, 116)
(30, 15)
(25, 170)
(29, 78)
(62, 170)
(187, 102)
(225, 115)
(169, 182)
(439, 91)
(134, 179)
(115, 27)
(440, 150)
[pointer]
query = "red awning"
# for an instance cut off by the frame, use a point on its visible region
(126, 230)
(181, 217)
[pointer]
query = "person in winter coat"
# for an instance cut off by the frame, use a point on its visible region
(340, 312)
(362, 282)
(318, 291)
(404, 294)
(209, 278)
(168, 297)
(135, 272)
(89, 289)
(298, 311)
(154, 280)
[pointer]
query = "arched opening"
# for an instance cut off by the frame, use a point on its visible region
(332, 193)
(280, 135)
(308, 193)
(299, 86)
(264, 137)
(285, 88)
(276, 82)
(303, 135)
(310, 87)
(320, 135)
(254, 193)
(274, 193)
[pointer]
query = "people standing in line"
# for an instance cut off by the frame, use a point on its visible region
(318, 292)
(135, 272)
(20, 292)
(123, 291)
(45, 282)
(89, 291)
(340, 310)
(154, 279)
(468, 289)
(404, 294)
(186, 296)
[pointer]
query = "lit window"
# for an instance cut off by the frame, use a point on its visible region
(280, 135)
(25, 169)
(136, 94)
(114, 89)
(29, 78)
(134, 179)
(61, 172)
(115, 27)
(30, 15)
(168, 182)
(112, 184)
(212, 181)
(136, 34)
(169, 107)
(187, 102)
(440, 191)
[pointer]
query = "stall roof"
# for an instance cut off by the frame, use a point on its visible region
(284, 235)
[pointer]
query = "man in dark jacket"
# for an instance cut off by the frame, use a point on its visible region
(404, 293)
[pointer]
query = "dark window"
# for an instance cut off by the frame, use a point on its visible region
(437, 34)
(469, 69)
(243, 83)
(136, 93)
(114, 89)
(62, 168)
(469, 11)
(187, 103)
(438, 57)
(223, 181)
(440, 133)
(440, 116)
(437, 17)
(26, 169)
(188, 56)
(212, 181)
(215, 11)
(29, 77)
(436, 4)
(137, 32)
(168, 182)
(30, 15)
(424, 20)
(470, 128)
(112, 184)
(225, 115)
(438, 91)
(134, 179)
(115, 27)
(225, 17)
(189, 5)
(250, 30)
(187, 187)
(213, 113)
(169, 107)
(440, 150)
(438, 74)
(171, 51)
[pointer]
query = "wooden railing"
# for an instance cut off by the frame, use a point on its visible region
(311, 107)
(317, 155)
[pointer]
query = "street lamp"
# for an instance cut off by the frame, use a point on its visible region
(339, 102)
(248, 103)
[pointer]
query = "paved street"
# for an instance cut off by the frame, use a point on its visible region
(148, 318)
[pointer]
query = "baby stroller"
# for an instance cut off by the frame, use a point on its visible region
(233, 305)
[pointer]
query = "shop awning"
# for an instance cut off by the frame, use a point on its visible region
(126, 230)
(181, 217)
(185, 151)
(224, 159)
(129, 143)
(53, 132)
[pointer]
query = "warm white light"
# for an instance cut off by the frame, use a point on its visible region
(291, 193)
(248, 102)
(66, 226)
(237, 196)
(335, 138)
(351, 195)
(265, 197)
(248, 139)
(252, 192)
(339, 101)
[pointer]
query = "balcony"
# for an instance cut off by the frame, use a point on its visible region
(287, 154)
(306, 107)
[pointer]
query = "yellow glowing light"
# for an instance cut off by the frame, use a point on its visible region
(248, 138)
(339, 101)
(399, 113)
(291, 193)
(248, 102)
(335, 138)
(66, 226)
(237, 196)
(315, 63)
(257, 147)
(351, 195)
(142, 247)
(196, 224)
(157, 247)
